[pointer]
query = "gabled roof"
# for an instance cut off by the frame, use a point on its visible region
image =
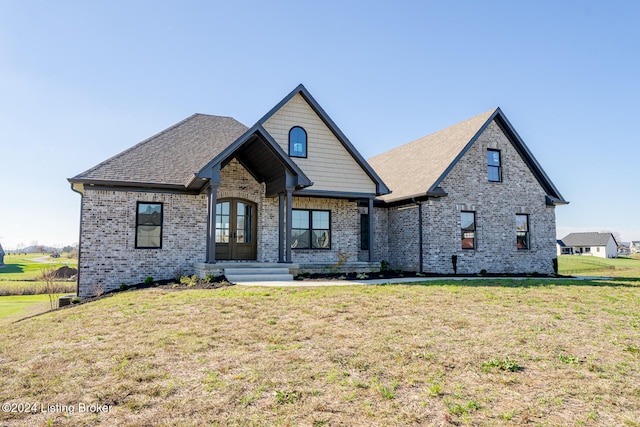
(416, 169)
(381, 187)
(169, 158)
(587, 239)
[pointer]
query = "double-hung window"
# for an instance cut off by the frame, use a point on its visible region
(149, 225)
(310, 229)
(468, 229)
(522, 231)
(494, 166)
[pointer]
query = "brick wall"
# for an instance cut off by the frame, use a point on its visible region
(496, 205)
(345, 230)
(108, 254)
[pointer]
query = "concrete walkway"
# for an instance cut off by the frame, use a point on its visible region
(312, 283)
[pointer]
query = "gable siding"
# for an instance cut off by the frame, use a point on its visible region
(496, 205)
(328, 164)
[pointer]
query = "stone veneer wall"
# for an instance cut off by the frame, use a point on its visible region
(108, 257)
(496, 205)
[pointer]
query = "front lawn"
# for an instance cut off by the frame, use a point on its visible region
(484, 352)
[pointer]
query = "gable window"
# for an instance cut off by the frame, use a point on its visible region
(297, 142)
(522, 231)
(310, 229)
(364, 232)
(149, 225)
(468, 229)
(494, 166)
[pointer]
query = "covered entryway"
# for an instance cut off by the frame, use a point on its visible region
(236, 230)
(232, 223)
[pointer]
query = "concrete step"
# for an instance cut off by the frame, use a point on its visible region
(256, 270)
(257, 274)
(237, 278)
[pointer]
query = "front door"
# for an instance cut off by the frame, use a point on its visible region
(236, 227)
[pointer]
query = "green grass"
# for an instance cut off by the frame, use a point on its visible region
(28, 267)
(397, 355)
(20, 274)
(594, 266)
(15, 305)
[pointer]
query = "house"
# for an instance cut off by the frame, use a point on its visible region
(602, 245)
(634, 246)
(292, 194)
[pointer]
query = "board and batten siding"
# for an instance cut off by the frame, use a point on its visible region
(328, 164)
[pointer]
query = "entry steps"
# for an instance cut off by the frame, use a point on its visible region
(257, 274)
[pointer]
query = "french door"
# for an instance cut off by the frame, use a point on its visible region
(236, 227)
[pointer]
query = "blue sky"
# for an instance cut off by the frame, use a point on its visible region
(83, 80)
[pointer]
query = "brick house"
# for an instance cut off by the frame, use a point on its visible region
(292, 193)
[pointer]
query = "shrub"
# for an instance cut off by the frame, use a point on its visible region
(385, 266)
(124, 287)
(148, 280)
(483, 272)
(454, 262)
(189, 281)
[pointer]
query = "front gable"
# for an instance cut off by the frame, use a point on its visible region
(469, 175)
(331, 162)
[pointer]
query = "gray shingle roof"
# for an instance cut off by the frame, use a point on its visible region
(586, 239)
(412, 169)
(171, 157)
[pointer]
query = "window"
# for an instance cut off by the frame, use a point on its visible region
(297, 142)
(522, 231)
(468, 229)
(149, 225)
(310, 229)
(494, 167)
(364, 232)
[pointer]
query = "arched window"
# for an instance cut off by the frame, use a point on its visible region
(297, 142)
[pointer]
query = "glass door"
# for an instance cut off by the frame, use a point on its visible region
(235, 230)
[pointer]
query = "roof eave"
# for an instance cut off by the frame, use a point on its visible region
(129, 184)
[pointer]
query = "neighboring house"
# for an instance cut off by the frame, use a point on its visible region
(209, 193)
(634, 246)
(1, 256)
(602, 245)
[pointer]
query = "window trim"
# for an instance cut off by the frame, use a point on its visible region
(475, 230)
(499, 167)
(138, 203)
(528, 233)
(311, 229)
(306, 140)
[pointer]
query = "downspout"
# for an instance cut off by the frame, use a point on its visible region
(79, 238)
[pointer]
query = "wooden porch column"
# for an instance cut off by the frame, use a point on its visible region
(371, 229)
(211, 224)
(289, 192)
(281, 227)
(214, 182)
